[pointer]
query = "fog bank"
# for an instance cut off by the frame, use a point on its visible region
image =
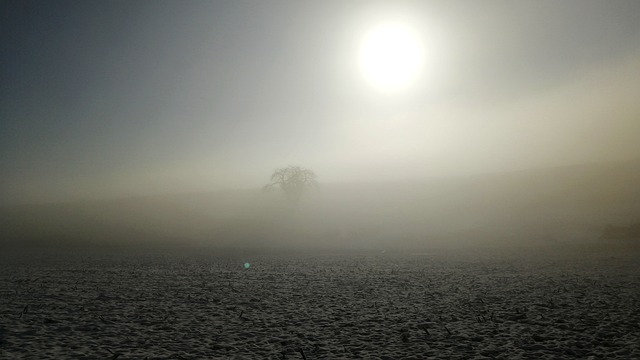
(547, 206)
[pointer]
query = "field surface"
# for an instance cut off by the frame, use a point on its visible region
(441, 304)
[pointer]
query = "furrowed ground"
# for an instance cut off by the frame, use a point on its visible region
(441, 304)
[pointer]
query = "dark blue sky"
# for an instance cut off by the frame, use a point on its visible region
(115, 98)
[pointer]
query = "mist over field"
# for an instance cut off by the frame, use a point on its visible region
(552, 206)
(306, 179)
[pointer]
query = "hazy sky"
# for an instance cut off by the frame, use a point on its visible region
(116, 98)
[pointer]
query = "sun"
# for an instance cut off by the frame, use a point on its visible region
(391, 56)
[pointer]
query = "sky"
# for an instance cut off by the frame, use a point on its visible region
(103, 99)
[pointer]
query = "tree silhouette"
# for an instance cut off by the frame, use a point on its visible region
(293, 181)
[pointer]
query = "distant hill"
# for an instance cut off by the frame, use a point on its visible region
(564, 204)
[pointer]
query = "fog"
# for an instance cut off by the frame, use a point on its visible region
(159, 122)
(552, 206)
(106, 100)
(319, 179)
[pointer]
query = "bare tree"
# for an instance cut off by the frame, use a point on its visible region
(293, 181)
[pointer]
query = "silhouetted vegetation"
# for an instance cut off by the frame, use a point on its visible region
(622, 232)
(292, 181)
(549, 206)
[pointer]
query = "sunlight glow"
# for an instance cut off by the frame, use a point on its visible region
(391, 57)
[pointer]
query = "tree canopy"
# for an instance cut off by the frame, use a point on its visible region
(293, 181)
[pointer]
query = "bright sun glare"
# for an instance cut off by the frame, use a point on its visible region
(391, 57)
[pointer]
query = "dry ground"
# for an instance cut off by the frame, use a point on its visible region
(443, 304)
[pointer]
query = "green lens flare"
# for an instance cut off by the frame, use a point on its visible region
(247, 265)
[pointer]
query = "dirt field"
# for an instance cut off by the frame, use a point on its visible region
(442, 304)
